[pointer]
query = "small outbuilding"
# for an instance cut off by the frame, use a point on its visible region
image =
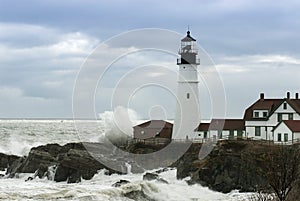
(153, 129)
(221, 129)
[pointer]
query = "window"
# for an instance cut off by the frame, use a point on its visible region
(240, 133)
(188, 95)
(291, 117)
(220, 134)
(284, 106)
(205, 134)
(157, 133)
(231, 134)
(286, 137)
(256, 114)
(142, 132)
(279, 137)
(265, 114)
(257, 131)
(279, 117)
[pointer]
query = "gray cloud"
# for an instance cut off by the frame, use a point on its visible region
(43, 44)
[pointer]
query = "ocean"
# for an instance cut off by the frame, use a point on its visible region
(18, 136)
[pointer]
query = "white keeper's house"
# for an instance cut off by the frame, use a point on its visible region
(277, 120)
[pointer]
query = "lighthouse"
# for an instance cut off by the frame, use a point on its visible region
(187, 116)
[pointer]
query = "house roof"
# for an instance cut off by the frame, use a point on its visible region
(203, 127)
(155, 124)
(293, 125)
(271, 105)
(222, 124)
(295, 104)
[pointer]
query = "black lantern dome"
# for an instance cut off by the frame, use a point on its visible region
(188, 50)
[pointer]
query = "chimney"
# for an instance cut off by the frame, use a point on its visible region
(288, 95)
(297, 96)
(262, 96)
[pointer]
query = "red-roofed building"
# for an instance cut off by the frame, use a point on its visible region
(221, 128)
(266, 119)
(265, 114)
(287, 131)
(153, 129)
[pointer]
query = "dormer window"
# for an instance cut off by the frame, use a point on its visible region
(260, 113)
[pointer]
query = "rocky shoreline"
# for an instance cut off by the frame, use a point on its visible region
(225, 169)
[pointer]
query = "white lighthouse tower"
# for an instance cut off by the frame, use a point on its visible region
(188, 109)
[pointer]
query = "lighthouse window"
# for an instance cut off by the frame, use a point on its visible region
(188, 95)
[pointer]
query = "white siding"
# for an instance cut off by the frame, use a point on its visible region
(282, 129)
(297, 137)
(187, 115)
(289, 109)
(270, 123)
(214, 134)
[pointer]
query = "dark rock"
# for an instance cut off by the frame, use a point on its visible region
(75, 177)
(150, 176)
(38, 159)
(162, 170)
(226, 168)
(76, 164)
(184, 167)
(120, 183)
(15, 167)
(42, 171)
(29, 179)
(7, 160)
(138, 195)
(62, 174)
(161, 180)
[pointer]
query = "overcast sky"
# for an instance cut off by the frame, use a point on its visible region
(43, 44)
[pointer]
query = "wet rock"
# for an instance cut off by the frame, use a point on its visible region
(15, 167)
(226, 168)
(120, 183)
(162, 170)
(184, 164)
(152, 176)
(42, 171)
(138, 195)
(75, 177)
(77, 164)
(7, 160)
(29, 179)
